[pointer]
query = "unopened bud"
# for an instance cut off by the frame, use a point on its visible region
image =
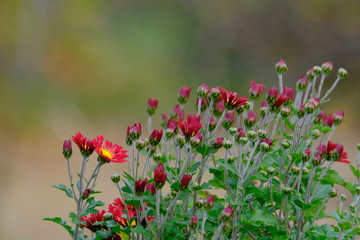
(302, 84)
(108, 216)
(358, 190)
(200, 203)
(264, 147)
(301, 111)
(352, 207)
(326, 68)
(226, 213)
(342, 73)
(285, 144)
(316, 160)
(140, 145)
(306, 171)
(194, 222)
(306, 155)
(358, 147)
(281, 67)
(251, 135)
(67, 149)
(212, 124)
(202, 91)
(317, 70)
(157, 157)
(233, 131)
(227, 144)
(270, 171)
(168, 197)
(287, 190)
(343, 197)
(295, 169)
(333, 193)
(195, 142)
(310, 75)
(262, 133)
(210, 201)
(215, 93)
(115, 178)
(315, 134)
(231, 159)
(242, 140)
(85, 194)
(180, 141)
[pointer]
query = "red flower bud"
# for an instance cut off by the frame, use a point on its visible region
(250, 120)
(152, 106)
(184, 182)
(184, 94)
(155, 137)
(86, 194)
(159, 176)
(151, 187)
(67, 149)
(203, 91)
(140, 186)
(226, 213)
(281, 67)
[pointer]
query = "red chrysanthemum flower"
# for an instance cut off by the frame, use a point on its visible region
(231, 99)
(155, 137)
(85, 145)
(118, 210)
(92, 219)
(109, 152)
(328, 120)
(336, 152)
(191, 126)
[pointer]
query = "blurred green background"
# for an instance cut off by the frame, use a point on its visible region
(91, 65)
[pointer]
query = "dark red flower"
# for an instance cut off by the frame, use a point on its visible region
(191, 126)
(109, 152)
(231, 99)
(140, 186)
(155, 137)
(321, 151)
(184, 182)
(85, 145)
(92, 219)
(279, 101)
(159, 176)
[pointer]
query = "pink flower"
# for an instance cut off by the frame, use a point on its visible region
(178, 113)
(256, 90)
(217, 143)
(134, 131)
(219, 108)
(226, 213)
(328, 120)
(209, 202)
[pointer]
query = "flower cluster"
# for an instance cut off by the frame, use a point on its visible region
(255, 167)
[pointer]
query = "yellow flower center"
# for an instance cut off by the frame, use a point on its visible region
(106, 154)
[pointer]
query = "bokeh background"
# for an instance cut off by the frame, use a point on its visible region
(90, 66)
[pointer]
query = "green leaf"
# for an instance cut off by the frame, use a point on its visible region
(92, 204)
(204, 150)
(140, 229)
(260, 217)
(194, 168)
(62, 223)
(322, 192)
(345, 225)
(135, 203)
(289, 124)
(355, 171)
(67, 190)
(74, 218)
